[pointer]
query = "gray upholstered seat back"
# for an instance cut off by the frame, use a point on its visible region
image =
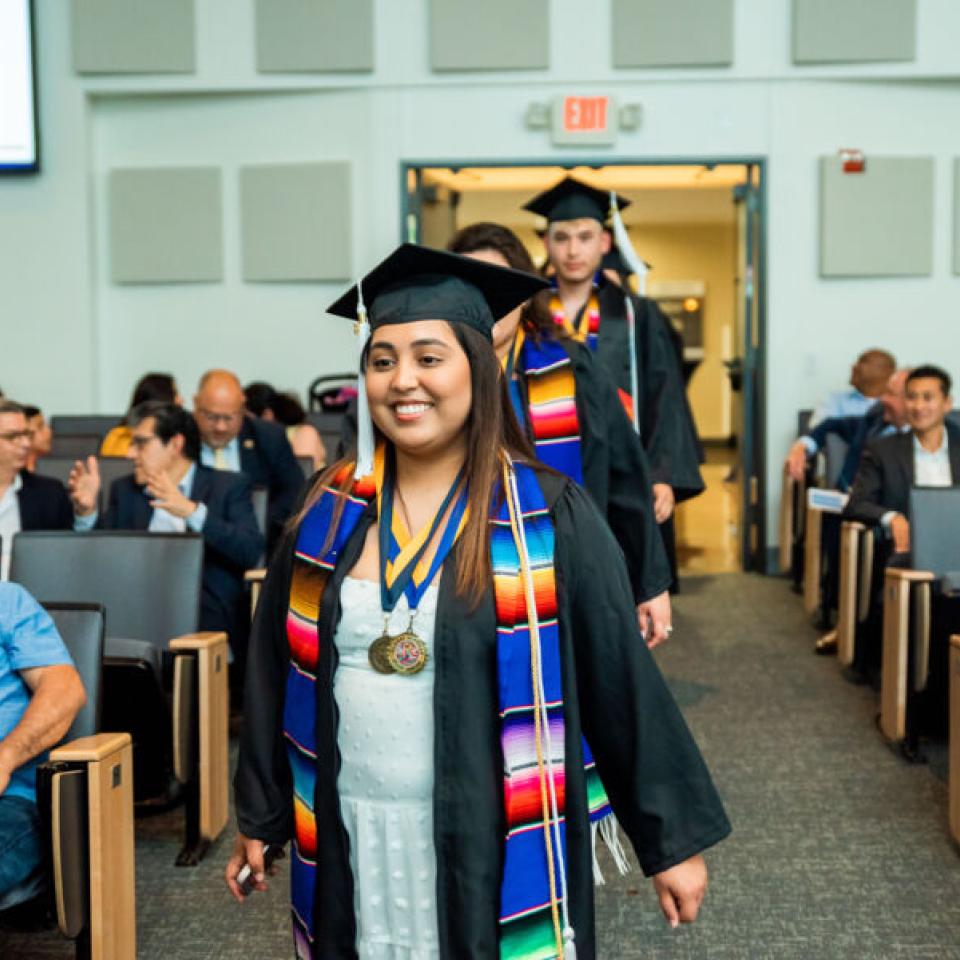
(81, 625)
(835, 453)
(935, 529)
(101, 424)
(149, 583)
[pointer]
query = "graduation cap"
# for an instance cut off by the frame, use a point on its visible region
(419, 283)
(571, 199)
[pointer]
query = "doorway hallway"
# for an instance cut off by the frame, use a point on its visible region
(699, 226)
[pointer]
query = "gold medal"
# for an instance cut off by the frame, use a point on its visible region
(404, 653)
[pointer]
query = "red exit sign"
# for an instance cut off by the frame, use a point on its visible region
(584, 120)
(585, 114)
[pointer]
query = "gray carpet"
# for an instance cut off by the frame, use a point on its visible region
(840, 850)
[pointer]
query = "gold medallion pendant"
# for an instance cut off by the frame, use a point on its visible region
(405, 653)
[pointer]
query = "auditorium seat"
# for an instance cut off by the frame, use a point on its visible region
(909, 635)
(64, 425)
(857, 559)
(85, 796)
(111, 468)
(954, 735)
(75, 446)
(260, 496)
(306, 463)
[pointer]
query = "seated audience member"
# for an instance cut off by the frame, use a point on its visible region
(41, 439)
(231, 440)
(284, 408)
(926, 456)
(169, 492)
(28, 501)
(156, 387)
(887, 416)
(868, 379)
(40, 694)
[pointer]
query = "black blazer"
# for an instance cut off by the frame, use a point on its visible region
(267, 458)
(44, 503)
(885, 477)
(232, 541)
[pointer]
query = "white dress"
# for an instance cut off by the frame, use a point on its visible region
(386, 779)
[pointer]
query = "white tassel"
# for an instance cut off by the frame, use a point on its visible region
(365, 441)
(598, 880)
(569, 947)
(620, 234)
(611, 837)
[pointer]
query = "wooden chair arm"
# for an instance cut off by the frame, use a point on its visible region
(955, 641)
(91, 749)
(198, 641)
(255, 576)
(913, 576)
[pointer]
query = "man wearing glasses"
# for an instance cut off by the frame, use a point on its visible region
(27, 501)
(233, 441)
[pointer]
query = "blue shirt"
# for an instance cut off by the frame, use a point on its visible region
(28, 639)
(842, 403)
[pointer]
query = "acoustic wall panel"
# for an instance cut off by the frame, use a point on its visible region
(878, 223)
(854, 31)
(166, 225)
(295, 221)
(314, 35)
(956, 216)
(672, 33)
(133, 36)
(492, 35)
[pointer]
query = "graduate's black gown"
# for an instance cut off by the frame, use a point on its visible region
(616, 472)
(666, 426)
(658, 784)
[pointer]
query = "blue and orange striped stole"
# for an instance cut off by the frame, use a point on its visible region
(529, 902)
(551, 405)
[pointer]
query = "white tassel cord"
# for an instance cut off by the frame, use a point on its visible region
(638, 267)
(365, 441)
(569, 946)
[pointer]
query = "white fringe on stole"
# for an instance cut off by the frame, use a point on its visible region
(607, 830)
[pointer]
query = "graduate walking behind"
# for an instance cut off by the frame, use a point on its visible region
(452, 697)
(641, 361)
(568, 409)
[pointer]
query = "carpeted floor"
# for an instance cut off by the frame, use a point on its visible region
(839, 850)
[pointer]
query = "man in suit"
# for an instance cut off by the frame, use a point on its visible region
(231, 440)
(27, 501)
(171, 492)
(926, 456)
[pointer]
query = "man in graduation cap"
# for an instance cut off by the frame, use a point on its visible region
(628, 334)
(458, 766)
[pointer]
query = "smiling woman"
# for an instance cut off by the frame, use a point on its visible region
(451, 687)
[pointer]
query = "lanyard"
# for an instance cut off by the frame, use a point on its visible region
(400, 563)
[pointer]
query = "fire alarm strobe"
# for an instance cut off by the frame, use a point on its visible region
(853, 160)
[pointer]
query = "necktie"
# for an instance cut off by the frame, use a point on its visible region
(220, 459)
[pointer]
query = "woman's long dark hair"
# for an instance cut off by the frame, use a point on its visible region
(489, 431)
(535, 319)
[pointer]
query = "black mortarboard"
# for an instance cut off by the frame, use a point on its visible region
(419, 283)
(571, 200)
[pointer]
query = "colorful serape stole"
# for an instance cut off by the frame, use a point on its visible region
(311, 568)
(530, 890)
(533, 876)
(552, 406)
(587, 328)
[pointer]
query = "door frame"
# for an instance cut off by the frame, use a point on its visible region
(755, 421)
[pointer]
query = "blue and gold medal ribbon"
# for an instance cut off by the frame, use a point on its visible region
(403, 567)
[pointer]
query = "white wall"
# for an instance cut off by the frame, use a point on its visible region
(73, 341)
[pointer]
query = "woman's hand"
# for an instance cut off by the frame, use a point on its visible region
(681, 890)
(246, 851)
